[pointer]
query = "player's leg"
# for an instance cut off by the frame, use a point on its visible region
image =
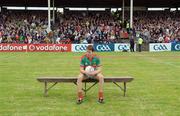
(100, 77)
(131, 48)
(80, 78)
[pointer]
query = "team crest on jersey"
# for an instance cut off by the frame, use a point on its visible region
(93, 63)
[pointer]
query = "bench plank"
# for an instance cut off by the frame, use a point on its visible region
(56, 80)
(73, 79)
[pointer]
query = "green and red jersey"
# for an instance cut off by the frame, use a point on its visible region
(86, 61)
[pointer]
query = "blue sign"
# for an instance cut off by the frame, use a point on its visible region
(122, 46)
(79, 47)
(175, 47)
(104, 47)
(158, 47)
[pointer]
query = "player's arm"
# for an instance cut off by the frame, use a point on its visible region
(98, 68)
(97, 71)
(82, 65)
(82, 70)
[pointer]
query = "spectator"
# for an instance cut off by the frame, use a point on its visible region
(132, 44)
(140, 42)
(76, 27)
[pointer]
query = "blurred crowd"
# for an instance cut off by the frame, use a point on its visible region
(158, 27)
(87, 27)
(21, 27)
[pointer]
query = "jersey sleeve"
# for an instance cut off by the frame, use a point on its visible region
(82, 62)
(98, 62)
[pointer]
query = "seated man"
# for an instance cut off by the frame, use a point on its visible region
(90, 59)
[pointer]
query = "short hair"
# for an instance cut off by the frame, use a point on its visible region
(90, 47)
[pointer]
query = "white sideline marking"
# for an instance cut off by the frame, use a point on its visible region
(159, 61)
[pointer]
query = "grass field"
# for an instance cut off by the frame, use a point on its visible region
(154, 92)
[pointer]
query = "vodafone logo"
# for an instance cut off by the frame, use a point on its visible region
(9, 47)
(25, 47)
(32, 47)
(35, 48)
(39, 47)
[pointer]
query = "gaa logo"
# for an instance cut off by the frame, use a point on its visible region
(160, 47)
(177, 47)
(123, 47)
(103, 48)
(80, 48)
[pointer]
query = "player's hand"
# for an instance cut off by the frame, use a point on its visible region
(87, 73)
(92, 73)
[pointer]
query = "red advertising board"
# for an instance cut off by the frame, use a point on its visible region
(35, 47)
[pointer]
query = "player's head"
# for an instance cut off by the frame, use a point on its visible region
(90, 49)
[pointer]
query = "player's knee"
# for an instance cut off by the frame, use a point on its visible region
(79, 79)
(101, 78)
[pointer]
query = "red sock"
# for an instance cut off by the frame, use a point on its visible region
(101, 95)
(80, 95)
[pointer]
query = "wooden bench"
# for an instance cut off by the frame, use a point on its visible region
(56, 80)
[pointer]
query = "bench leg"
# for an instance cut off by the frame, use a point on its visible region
(85, 88)
(45, 89)
(124, 89)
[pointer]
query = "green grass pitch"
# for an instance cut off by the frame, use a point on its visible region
(155, 90)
